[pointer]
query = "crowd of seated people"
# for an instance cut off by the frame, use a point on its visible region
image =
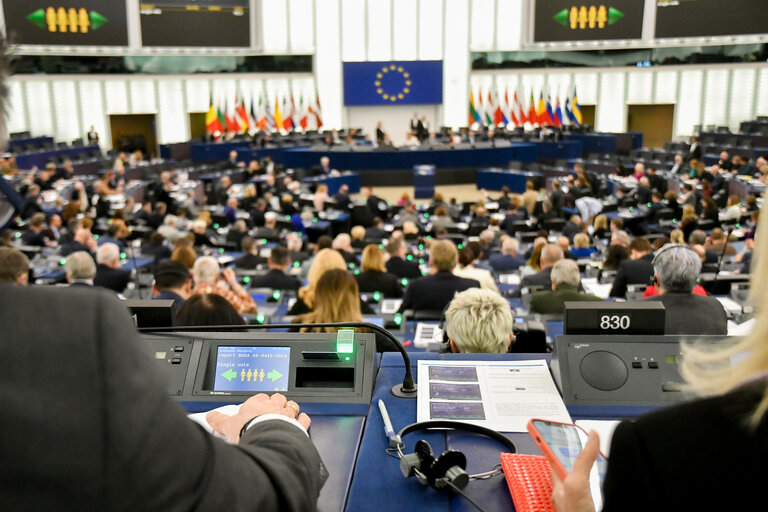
(551, 237)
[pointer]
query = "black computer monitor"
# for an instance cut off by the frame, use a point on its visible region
(148, 313)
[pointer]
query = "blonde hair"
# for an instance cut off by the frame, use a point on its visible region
(676, 236)
(443, 255)
(479, 320)
(373, 259)
(713, 369)
(325, 259)
(337, 299)
(601, 221)
(357, 232)
(581, 241)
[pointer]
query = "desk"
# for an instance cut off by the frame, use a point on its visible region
(334, 182)
(41, 158)
(495, 179)
(377, 476)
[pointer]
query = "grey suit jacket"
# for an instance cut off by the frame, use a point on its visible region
(86, 423)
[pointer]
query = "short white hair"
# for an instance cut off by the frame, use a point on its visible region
(107, 253)
(80, 265)
(510, 246)
(170, 220)
(565, 272)
(479, 320)
(342, 241)
(206, 270)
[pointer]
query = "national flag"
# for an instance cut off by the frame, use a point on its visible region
(253, 120)
(222, 117)
(287, 118)
(512, 117)
(558, 119)
(568, 112)
(474, 115)
(278, 116)
(575, 107)
(550, 111)
(302, 113)
(269, 119)
(541, 110)
(518, 115)
(261, 116)
(318, 111)
(232, 124)
(498, 115)
(532, 117)
(212, 123)
(489, 110)
(242, 114)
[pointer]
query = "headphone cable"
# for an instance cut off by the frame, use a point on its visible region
(461, 493)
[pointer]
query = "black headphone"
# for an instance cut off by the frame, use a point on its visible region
(448, 469)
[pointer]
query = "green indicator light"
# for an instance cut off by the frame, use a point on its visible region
(351, 266)
(260, 318)
(674, 221)
(631, 208)
(345, 341)
(376, 296)
(357, 272)
(409, 257)
(421, 261)
(346, 358)
(95, 237)
(215, 226)
(221, 250)
(421, 247)
(122, 255)
(276, 294)
(398, 319)
(649, 205)
(738, 225)
(287, 217)
(18, 235)
(381, 246)
(296, 264)
(461, 246)
(263, 240)
(423, 273)
(62, 262)
(426, 215)
(429, 237)
(404, 281)
(246, 279)
(314, 219)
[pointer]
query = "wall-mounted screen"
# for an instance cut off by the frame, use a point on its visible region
(66, 22)
(702, 18)
(207, 23)
(567, 20)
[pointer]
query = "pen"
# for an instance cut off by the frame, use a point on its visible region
(388, 430)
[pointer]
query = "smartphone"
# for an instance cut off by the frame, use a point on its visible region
(561, 444)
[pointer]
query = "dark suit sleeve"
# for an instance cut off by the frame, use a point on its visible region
(407, 298)
(157, 459)
(628, 485)
(619, 288)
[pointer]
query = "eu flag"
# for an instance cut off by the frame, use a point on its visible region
(393, 83)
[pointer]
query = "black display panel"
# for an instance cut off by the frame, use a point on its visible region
(567, 20)
(701, 18)
(207, 23)
(66, 22)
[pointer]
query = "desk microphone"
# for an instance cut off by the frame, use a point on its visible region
(722, 255)
(136, 281)
(407, 389)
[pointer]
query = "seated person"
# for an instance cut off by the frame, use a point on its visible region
(466, 268)
(397, 263)
(565, 287)
(156, 247)
(324, 260)
(252, 258)
(80, 269)
(358, 237)
(33, 235)
(677, 269)
(276, 278)
(208, 309)
(374, 277)
(14, 267)
(172, 282)
(480, 321)
(207, 280)
(550, 254)
(636, 270)
(508, 260)
(109, 271)
(343, 244)
(581, 248)
(433, 292)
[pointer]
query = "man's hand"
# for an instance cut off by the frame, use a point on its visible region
(230, 426)
(572, 494)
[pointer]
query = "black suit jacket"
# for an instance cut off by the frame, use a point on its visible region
(639, 271)
(668, 460)
(383, 282)
(434, 292)
(403, 268)
(115, 279)
(687, 313)
(104, 429)
(277, 280)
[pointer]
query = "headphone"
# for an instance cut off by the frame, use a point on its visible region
(449, 468)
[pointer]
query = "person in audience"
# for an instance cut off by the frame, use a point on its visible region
(237, 232)
(357, 234)
(433, 292)
(80, 269)
(397, 264)
(533, 264)
(230, 210)
(343, 244)
(185, 255)
(717, 242)
(620, 237)
(33, 235)
(514, 214)
(478, 320)
(117, 232)
(320, 197)
(676, 270)
(14, 267)
(251, 258)
(638, 269)
(277, 278)
(508, 259)
(172, 282)
(109, 271)
(374, 276)
(550, 254)
(530, 197)
(209, 279)
(208, 309)
(376, 231)
(337, 299)
(733, 210)
(466, 268)
(572, 227)
(565, 280)
(324, 260)
(671, 469)
(581, 246)
(697, 241)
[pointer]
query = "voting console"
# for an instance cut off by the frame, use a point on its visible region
(230, 367)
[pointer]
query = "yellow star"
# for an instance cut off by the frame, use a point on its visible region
(400, 96)
(379, 91)
(406, 90)
(385, 70)
(407, 82)
(393, 67)
(379, 75)
(400, 69)
(406, 75)
(377, 83)
(385, 96)
(393, 98)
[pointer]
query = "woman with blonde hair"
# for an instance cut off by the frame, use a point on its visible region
(534, 262)
(325, 259)
(320, 197)
(337, 299)
(374, 277)
(358, 237)
(676, 237)
(658, 458)
(601, 227)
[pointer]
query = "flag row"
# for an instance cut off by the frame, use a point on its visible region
(491, 108)
(282, 113)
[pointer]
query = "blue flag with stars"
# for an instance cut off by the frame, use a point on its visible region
(393, 83)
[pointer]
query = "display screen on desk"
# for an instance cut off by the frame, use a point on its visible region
(248, 368)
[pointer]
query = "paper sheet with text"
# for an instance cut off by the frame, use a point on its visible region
(500, 395)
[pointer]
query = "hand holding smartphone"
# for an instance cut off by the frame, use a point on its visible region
(561, 444)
